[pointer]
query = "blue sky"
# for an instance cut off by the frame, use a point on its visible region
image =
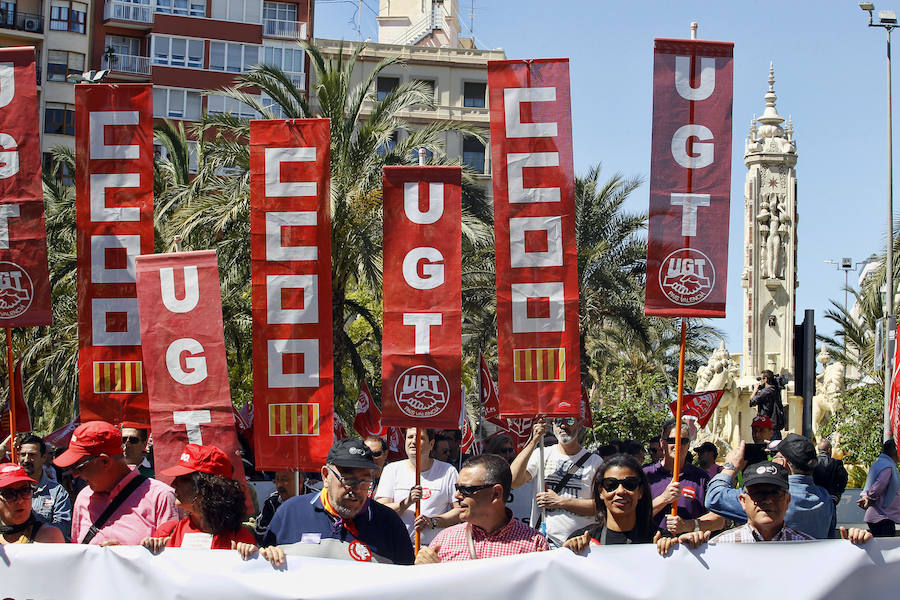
(830, 73)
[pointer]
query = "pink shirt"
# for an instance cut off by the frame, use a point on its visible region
(513, 538)
(148, 507)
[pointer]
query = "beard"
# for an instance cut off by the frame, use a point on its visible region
(562, 437)
(347, 512)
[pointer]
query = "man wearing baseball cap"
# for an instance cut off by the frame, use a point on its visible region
(342, 511)
(118, 506)
(762, 429)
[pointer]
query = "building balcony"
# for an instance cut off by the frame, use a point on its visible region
(21, 21)
(289, 30)
(126, 64)
(298, 78)
(127, 14)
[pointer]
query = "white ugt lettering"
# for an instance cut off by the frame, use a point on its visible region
(6, 212)
(704, 156)
(433, 269)
(683, 78)
(10, 158)
(192, 419)
(195, 364)
(191, 289)
(422, 322)
(689, 204)
(7, 83)
(411, 202)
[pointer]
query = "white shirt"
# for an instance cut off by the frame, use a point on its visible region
(560, 522)
(438, 488)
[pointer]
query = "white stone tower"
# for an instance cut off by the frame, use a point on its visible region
(769, 278)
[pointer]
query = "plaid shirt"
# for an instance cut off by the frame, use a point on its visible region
(747, 534)
(513, 538)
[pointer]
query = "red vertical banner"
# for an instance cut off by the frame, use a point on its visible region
(114, 219)
(290, 258)
(421, 356)
(24, 279)
(894, 402)
(690, 179)
(183, 343)
(534, 238)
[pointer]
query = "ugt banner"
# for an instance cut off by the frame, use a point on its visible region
(114, 219)
(290, 273)
(699, 406)
(367, 420)
(421, 354)
(534, 238)
(183, 342)
(24, 279)
(690, 179)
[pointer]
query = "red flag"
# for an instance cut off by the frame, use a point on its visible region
(519, 430)
(587, 414)
(183, 345)
(488, 395)
(396, 450)
(422, 340)
(114, 216)
(699, 406)
(340, 432)
(290, 267)
(894, 405)
(23, 421)
(60, 438)
(24, 279)
(534, 236)
(468, 441)
(368, 418)
(690, 179)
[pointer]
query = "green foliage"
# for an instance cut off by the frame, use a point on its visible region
(629, 408)
(858, 425)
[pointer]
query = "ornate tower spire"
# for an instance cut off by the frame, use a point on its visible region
(770, 118)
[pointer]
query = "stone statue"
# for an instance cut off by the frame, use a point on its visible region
(719, 374)
(829, 385)
(774, 250)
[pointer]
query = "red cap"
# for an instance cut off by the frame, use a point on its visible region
(761, 421)
(11, 474)
(91, 439)
(205, 459)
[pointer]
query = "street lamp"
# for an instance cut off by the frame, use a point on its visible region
(887, 19)
(846, 265)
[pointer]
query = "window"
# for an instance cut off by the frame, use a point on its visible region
(244, 11)
(7, 13)
(279, 11)
(473, 154)
(385, 86)
(61, 64)
(429, 83)
(192, 8)
(127, 46)
(177, 52)
(176, 103)
(160, 152)
(218, 104)
(289, 59)
(64, 175)
(59, 118)
(68, 16)
(232, 57)
(473, 94)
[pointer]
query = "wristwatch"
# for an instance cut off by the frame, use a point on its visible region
(434, 523)
(729, 467)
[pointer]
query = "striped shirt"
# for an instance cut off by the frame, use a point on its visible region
(747, 534)
(513, 538)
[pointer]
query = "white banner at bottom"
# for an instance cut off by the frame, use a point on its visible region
(832, 569)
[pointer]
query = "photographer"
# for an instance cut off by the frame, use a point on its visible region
(767, 400)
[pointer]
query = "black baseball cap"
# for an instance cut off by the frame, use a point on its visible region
(766, 472)
(351, 453)
(798, 450)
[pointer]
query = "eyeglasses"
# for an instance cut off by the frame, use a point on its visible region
(11, 495)
(131, 439)
(377, 454)
(467, 491)
(351, 483)
(83, 464)
(559, 422)
(611, 484)
(684, 441)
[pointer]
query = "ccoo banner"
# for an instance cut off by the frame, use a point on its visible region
(422, 340)
(114, 217)
(183, 344)
(290, 262)
(24, 279)
(534, 236)
(690, 179)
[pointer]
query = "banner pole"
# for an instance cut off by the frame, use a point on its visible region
(541, 485)
(297, 490)
(679, 407)
(12, 394)
(418, 482)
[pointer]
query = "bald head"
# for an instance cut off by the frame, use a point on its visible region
(825, 446)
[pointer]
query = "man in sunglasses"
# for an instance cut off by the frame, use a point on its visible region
(488, 528)
(119, 505)
(134, 446)
(689, 491)
(568, 472)
(342, 521)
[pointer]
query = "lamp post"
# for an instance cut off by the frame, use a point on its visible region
(887, 19)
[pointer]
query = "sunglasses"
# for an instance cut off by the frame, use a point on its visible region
(10, 495)
(351, 483)
(559, 422)
(611, 484)
(467, 491)
(684, 441)
(131, 439)
(378, 453)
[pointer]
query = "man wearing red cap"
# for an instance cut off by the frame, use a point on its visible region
(118, 506)
(762, 429)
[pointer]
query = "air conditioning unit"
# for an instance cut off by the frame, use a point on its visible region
(32, 24)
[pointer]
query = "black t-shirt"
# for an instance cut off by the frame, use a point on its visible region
(613, 537)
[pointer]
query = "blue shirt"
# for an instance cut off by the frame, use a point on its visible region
(379, 527)
(811, 510)
(51, 502)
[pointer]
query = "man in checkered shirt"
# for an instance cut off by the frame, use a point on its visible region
(488, 528)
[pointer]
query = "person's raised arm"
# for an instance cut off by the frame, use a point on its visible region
(519, 466)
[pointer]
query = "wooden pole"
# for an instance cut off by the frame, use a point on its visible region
(10, 369)
(418, 483)
(678, 411)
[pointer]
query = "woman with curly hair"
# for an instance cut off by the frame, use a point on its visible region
(624, 506)
(213, 502)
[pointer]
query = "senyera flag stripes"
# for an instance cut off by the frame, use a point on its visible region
(690, 179)
(421, 355)
(290, 258)
(534, 237)
(24, 280)
(114, 216)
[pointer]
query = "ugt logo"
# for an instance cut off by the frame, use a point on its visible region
(16, 290)
(422, 392)
(687, 276)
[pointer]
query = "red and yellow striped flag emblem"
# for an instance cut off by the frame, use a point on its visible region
(294, 419)
(539, 364)
(118, 377)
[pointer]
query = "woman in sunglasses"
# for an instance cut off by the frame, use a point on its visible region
(624, 505)
(18, 523)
